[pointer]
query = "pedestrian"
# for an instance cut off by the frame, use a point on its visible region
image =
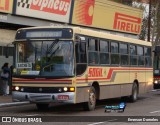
(5, 77)
(10, 80)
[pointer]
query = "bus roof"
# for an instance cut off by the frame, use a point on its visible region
(95, 33)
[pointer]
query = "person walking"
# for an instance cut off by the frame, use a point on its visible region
(5, 77)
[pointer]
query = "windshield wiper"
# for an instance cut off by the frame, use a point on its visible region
(54, 52)
(49, 49)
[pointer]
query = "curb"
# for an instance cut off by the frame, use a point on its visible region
(13, 104)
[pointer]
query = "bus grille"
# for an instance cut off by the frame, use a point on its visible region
(40, 98)
(42, 89)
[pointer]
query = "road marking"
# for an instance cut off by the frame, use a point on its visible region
(112, 120)
(96, 123)
(33, 115)
(103, 122)
(153, 90)
(13, 104)
(155, 111)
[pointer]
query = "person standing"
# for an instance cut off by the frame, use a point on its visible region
(5, 77)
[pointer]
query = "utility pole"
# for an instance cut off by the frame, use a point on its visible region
(149, 20)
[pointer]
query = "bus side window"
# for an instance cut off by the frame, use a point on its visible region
(140, 53)
(124, 57)
(104, 51)
(93, 56)
(81, 57)
(133, 55)
(114, 53)
(81, 52)
(148, 60)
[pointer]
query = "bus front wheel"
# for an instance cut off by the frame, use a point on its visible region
(91, 104)
(42, 106)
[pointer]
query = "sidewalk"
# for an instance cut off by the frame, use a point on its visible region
(5, 99)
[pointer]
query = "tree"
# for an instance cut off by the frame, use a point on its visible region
(156, 24)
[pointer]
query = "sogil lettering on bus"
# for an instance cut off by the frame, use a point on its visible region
(127, 23)
(4, 5)
(60, 7)
(95, 72)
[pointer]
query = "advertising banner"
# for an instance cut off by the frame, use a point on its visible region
(108, 15)
(55, 10)
(6, 6)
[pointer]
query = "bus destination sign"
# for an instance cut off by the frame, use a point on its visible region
(44, 34)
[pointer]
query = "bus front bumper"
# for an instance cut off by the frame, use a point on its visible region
(66, 97)
(156, 86)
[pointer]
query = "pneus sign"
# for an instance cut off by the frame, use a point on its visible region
(55, 10)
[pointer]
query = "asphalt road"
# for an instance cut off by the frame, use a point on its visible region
(147, 107)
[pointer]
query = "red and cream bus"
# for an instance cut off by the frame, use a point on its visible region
(156, 67)
(76, 65)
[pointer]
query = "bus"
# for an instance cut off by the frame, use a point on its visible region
(156, 68)
(72, 65)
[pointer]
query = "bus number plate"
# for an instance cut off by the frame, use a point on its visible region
(63, 97)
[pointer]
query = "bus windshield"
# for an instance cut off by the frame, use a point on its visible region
(45, 58)
(157, 62)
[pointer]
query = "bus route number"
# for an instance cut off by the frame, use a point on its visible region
(24, 65)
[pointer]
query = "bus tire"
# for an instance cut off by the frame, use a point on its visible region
(134, 95)
(91, 104)
(42, 106)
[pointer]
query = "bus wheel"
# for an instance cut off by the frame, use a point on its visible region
(42, 106)
(91, 104)
(134, 95)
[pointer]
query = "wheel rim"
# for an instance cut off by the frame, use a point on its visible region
(135, 94)
(92, 98)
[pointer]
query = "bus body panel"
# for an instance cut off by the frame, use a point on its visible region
(112, 80)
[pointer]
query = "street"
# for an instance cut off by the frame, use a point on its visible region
(147, 105)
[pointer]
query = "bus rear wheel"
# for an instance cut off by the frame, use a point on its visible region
(91, 104)
(42, 106)
(134, 95)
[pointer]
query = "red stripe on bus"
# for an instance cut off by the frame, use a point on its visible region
(40, 80)
(156, 76)
(111, 70)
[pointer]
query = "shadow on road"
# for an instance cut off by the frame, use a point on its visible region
(77, 108)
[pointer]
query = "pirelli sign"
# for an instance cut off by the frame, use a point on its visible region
(127, 23)
(108, 15)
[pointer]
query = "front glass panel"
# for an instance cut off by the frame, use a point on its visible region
(157, 64)
(45, 58)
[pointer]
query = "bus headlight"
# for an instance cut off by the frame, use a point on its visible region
(156, 81)
(65, 89)
(68, 89)
(17, 88)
